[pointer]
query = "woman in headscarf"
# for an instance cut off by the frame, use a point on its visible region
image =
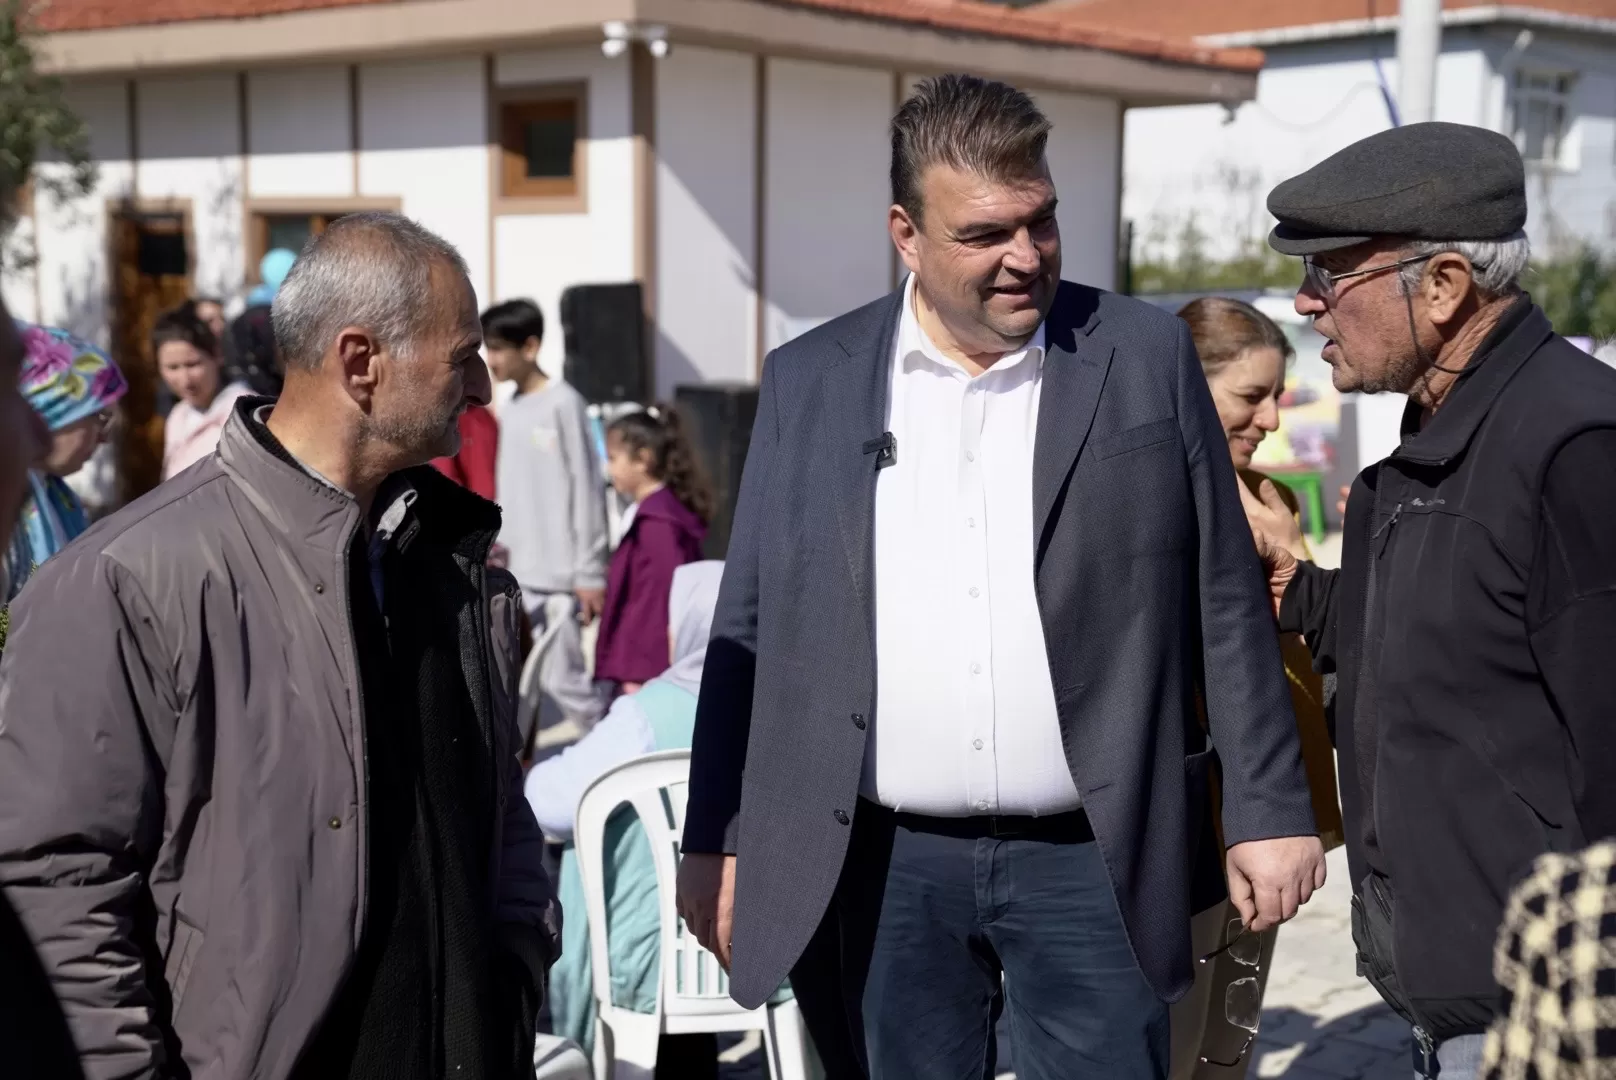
(73, 386)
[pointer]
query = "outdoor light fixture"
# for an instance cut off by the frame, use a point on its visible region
(619, 34)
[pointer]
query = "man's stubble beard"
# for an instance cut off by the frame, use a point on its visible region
(421, 437)
(1402, 376)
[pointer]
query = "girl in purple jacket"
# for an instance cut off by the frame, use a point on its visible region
(649, 461)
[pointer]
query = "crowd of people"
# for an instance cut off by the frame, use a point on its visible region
(266, 810)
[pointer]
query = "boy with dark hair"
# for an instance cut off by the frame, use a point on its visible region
(551, 491)
(188, 359)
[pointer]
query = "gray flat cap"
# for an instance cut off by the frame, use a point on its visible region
(1433, 181)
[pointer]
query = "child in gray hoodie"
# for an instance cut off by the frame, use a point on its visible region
(554, 502)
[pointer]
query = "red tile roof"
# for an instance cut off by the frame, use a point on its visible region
(1193, 18)
(996, 20)
(968, 16)
(107, 14)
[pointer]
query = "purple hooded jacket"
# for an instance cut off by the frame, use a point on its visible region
(633, 643)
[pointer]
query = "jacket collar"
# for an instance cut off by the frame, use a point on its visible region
(300, 506)
(1519, 333)
(310, 510)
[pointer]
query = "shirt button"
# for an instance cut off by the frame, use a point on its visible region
(335, 823)
(977, 744)
(858, 721)
(975, 592)
(318, 587)
(970, 455)
(970, 523)
(982, 804)
(841, 817)
(976, 669)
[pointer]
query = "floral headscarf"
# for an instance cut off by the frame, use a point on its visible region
(65, 378)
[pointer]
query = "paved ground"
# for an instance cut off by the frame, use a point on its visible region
(1320, 1021)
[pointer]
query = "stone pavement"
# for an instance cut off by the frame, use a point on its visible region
(1320, 1021)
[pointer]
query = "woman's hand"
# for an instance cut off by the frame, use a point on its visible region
(1272, 520)
(1277, 535)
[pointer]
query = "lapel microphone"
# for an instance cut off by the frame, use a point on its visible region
(884, 448)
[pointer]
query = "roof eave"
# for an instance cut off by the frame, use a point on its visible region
(816, 29)
(1514, 14)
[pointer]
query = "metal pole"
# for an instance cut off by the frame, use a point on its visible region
(1419, 44)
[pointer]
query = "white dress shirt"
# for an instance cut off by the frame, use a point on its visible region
(965, 720)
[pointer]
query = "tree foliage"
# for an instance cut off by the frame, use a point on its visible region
(35, 119)
(1184, 265)
(1578, 293)
(1577, 289)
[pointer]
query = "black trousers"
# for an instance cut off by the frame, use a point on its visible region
(938, 926)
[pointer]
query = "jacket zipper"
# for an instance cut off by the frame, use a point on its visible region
(1373, 553)
(362, 825)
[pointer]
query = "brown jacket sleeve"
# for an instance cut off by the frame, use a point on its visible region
(86, 715)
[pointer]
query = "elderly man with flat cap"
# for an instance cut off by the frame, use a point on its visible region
(1472, 625)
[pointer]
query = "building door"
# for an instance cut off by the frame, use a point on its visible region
(151, 272)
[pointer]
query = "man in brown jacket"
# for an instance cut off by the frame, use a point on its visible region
(31, 1024)
(259, 798)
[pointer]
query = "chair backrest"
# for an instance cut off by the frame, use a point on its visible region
(529, 694)
(656, 785)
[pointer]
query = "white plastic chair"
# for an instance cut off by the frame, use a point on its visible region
(693, 992)
(555, 1058)
(533, 719)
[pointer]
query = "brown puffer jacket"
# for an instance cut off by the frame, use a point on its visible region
(182, 749)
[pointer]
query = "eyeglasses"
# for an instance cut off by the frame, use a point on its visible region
(1323, 281)
(1242, 1001)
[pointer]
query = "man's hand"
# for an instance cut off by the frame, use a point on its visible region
(1270, 879)
(499, 557)
(1277, 536)
(1341, 503)
(591, 602)
(707, 900)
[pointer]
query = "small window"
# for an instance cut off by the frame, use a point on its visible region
(285, 229)
(541, 146)
(1542, 115)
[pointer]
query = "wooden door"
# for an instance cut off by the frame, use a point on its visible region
(151, 273)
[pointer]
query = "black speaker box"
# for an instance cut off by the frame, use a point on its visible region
(717, 418)
(603, 330)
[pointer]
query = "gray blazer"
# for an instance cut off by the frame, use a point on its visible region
(1148, 584)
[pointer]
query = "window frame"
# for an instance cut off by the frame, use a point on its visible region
(514, 192)
(258, 210)
(1560, 95)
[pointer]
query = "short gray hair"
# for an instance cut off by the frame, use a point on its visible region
(1496, 266)
(370, 269)
(971, 124)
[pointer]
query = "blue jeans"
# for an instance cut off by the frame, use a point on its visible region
(1458, 1058)
(938, 933)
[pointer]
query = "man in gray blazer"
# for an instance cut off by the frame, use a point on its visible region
(988, 555)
